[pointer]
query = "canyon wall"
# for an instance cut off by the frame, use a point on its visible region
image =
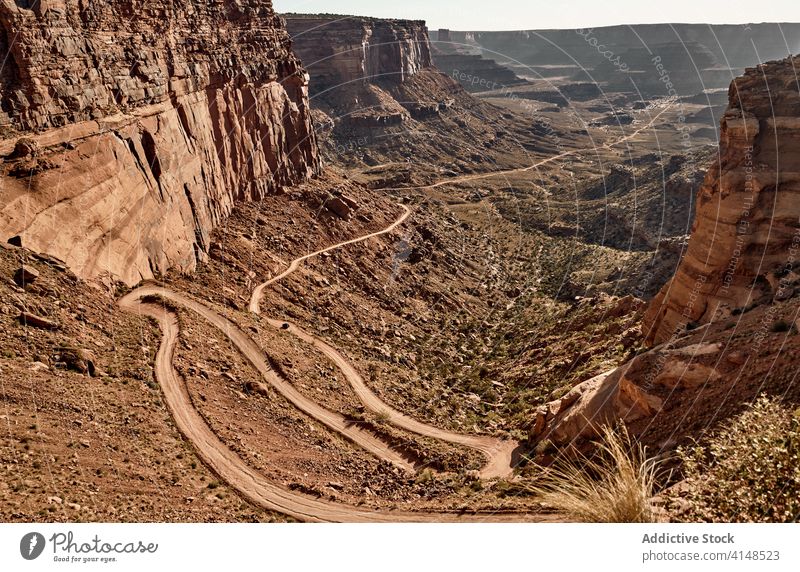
(745, 244)
(378, 98)
(738, 275)
(696, 57)
(370, 74)
(130, 128)
(476, 73)
(353, 51)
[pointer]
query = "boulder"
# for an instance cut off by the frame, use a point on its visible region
(254, 388)
(602, 400)
(350, 202)
(77, 359)
(25, 148)
(338, 207)
(738, 358)
(628, 393)
(25, 276)
(28, 319)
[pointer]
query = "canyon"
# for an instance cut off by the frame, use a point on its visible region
(380, 102)
(262, 267)
(735, 284)
(701, 56)
(692, 63)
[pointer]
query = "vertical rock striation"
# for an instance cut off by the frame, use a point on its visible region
(744, 251)
(366, 70)
(745, 244)
(346, 51)
(130, 127)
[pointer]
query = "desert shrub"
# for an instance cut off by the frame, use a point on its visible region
(615, 485)
(781, 326)
(749, 471)
(162, 301)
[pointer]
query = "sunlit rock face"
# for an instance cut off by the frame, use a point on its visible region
(744, 252)
(745, 244)
(342, 51)
(142, 123)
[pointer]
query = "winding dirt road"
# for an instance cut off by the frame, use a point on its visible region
(499, 453)
(258, 293)
(492, 174)
(251, 484)
(252, 352)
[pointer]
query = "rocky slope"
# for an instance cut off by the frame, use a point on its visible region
(737, 277)
(105, 430)
(87, 435)
(130, 133)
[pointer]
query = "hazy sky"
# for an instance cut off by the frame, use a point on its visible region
(543, 14)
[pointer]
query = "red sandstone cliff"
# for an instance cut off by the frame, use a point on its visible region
(746, 237)
(369, 72)
(742, 260)
(130, 128)
(352, 50)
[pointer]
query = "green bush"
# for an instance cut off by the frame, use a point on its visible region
(749, 471)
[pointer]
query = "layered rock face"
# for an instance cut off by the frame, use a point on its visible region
(351, 51)
(476, 73)
(745, 242)
(131, 128)
(362, 67)
(633, 393)
(743, 254)
(464, 63)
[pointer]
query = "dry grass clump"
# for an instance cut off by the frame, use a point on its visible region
(615, 485)
(749, 471)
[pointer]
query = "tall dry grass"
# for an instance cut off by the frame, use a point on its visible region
(615, 485)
